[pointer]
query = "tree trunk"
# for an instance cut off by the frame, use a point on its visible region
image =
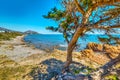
(71, 46)
(79, 32)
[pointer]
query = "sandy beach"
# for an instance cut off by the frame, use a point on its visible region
(16, 49)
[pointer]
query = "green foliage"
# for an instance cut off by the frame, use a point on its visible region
(64, 20)
(52, 28)
(9, 35)
(77, 71)
(54, 14)
(86, 3)
(112, 77)
(86, 71)
(7, 73)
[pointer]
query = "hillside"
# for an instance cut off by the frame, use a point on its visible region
(30, 32)
(7, 34)
(7, 30)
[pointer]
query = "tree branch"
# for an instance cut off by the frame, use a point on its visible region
(115, 26)
(80, 9)
(103, 27)
(105, 2)
(103, 20)
(100, 3)
(66, 36)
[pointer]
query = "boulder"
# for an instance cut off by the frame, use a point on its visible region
(112, 51)
(69, 76)
(97, 58)
(95, 47)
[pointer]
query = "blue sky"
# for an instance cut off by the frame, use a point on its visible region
(22, 15)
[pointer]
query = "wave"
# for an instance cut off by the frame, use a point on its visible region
(63, 45)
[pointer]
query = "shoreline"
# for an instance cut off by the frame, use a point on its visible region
(16, 48)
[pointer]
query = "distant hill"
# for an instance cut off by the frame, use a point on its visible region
(7, 30)
(26, 32)
(7, 34)
(30, 32)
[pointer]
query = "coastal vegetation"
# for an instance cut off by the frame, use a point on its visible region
(9, 35)
(9, 69)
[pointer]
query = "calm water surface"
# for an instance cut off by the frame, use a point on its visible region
(50, 41)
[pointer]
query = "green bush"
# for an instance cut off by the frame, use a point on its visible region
(9, 35)
(111, 77)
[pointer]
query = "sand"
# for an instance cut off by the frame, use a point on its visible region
(16, 49)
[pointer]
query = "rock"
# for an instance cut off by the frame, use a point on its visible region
(118, 72)
(112, 51)
(67, 77)
(99, 59)
(106, 52)
(87, 53)
(81, 77)
(54, 78)
(97, 74)
(95, 47)
(53, 74)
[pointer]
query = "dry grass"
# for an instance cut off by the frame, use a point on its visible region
(9, 35)
(10, 70)
(9, 47)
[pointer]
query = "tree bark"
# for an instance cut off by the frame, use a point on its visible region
(71, 46)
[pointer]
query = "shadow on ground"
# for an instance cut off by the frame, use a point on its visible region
(47, 69)
(53, 68)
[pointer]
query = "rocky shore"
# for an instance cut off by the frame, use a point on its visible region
(107, 58)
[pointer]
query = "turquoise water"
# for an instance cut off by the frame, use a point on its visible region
(46, 41)
(51, 41)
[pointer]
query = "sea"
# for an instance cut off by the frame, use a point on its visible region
(57, 41)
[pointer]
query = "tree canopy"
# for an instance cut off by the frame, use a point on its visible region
(103, 16)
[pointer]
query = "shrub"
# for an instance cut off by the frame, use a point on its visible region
(9, 35)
